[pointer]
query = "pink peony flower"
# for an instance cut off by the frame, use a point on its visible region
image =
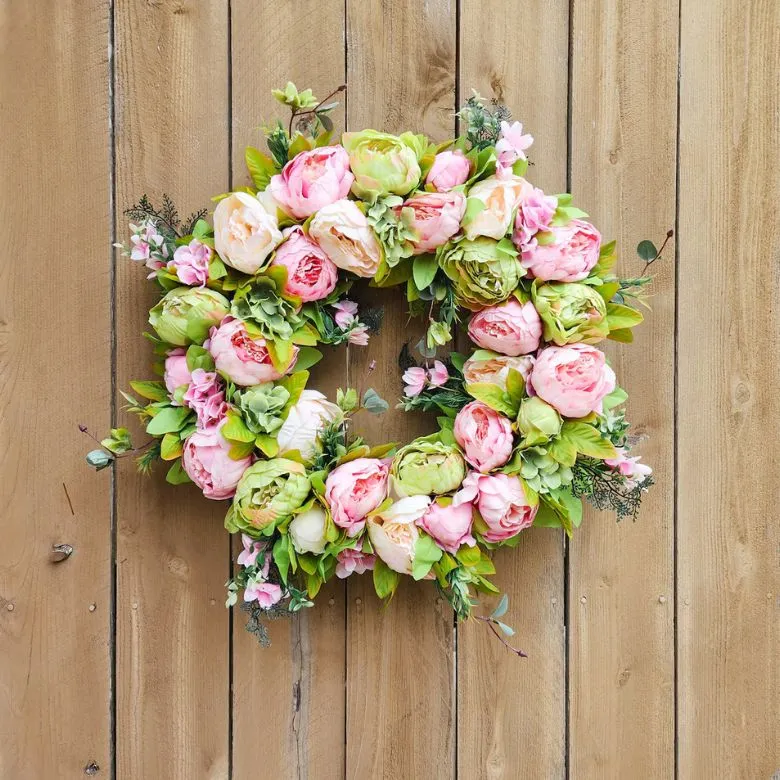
(511, 145)
(572, 252)
(311, 275)
(629, 467)
(573, 379)
(534, 213)
(436, 218)
(450, 169)
(484, 435)
(502, 504)
(191, 263)
(353, 561)
(252, 548)
(311, 180)
(176, 371)
(438, 375)
(244, 359)
(511, 328)
(206, 397)
(414, 381)
(208, 464)
(450, 526)
(354, 489)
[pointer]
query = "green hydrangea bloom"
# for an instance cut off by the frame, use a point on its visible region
(542, 472)
(261, 407)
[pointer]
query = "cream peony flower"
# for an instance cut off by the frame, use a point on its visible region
(307, 530)
(499, 198)
(306, 419)
(393, 532)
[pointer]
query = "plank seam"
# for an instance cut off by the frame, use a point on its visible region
(345, 588)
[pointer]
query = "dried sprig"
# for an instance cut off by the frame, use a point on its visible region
(483, 124)
(606, 490)
(166, 217)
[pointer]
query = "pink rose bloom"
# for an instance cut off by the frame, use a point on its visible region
(414, 379)
(450, 526)
(353, 561)
(438, 375)
(534, 213)
(631, 468)
(573, 379)
(191, 263)
(511, 145)
(502, 503)
(510, 328)
(206, 397)
(484, 435)
(176, 371)
(574, 250)
(312, 180)
(311, 275)
(450, 169)
(354, 489)
(208, 464)
(241, 357)
(436, 219)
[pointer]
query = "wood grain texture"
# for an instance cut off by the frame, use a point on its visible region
(505, 703)
(400, 692)
(54, 317)
(172, 550)
(621, 583)
(301, 677)
(728, 536)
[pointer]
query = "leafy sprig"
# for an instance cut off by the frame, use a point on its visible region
(166, 217)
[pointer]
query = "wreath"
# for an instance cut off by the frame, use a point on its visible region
(529, 423)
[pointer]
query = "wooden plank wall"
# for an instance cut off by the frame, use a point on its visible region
(653, 646)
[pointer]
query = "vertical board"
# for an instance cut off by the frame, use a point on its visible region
(728, 536)
(400, 702)
(300, 678)
(621, 578)
(171, 104)
(54, 374)
(508, 704)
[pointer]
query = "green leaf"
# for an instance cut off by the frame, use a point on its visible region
(494, 397)
(587, 440)
(474, 206)
(280, 352)
(152, 391)
(620, 317)
(176, 474)
(99, 459)
(424, 270)
(281, 556)
(300, 143)
(647, 251)
(373, 402)
(563, 451)
(268, 445)
(261, 167)
(607, 291)
(169, 419)
(171, 447)
(235, 430)
(469, 556)
(501, 607)
(217, 269)
(515, 386)
(307, 357)
(623, 335)
(199, 357)
(426, 553)
(615, 398)
(385, 579)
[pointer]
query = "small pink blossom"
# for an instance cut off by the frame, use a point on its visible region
(252, 549)
(346, 313)
(191, 263)
(176, 371)
(631, 468)
(353, 561)
(414, 381)
(511, 145)
(206, 397)
(148, 246)
(438, 375)
(266, 594)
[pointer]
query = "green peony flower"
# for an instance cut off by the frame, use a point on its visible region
(542, 472)
(570, 312)
(424, 468)
(383, 164)
(482, 271)
(186, 314)
(269, 491)
(538, 421)
(261, 406)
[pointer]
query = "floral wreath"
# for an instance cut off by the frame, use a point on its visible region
(530, 422)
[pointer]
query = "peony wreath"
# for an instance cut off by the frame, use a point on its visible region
(530, 422)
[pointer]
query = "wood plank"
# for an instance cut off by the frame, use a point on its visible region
(621, 583)
(54, 373)
(172, 551)
(506, 704)
(400, 695)
(301, 676)
(727, 533)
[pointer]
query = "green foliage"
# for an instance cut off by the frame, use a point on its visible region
(393, 229)
(166, 218)
(483, 124)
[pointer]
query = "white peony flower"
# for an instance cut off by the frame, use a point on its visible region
(306, 419)
(307, 530)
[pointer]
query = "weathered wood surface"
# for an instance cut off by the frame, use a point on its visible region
(653, 646)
